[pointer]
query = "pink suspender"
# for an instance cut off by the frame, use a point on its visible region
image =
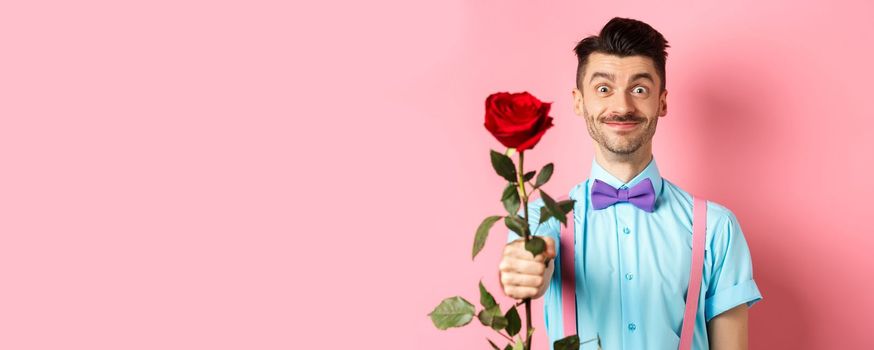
(699, 224)
(568, 278)
(568, 298)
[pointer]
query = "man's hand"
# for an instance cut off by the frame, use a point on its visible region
(524, 275)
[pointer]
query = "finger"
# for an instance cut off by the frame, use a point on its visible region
(521, 266)
(517, 242)
(518, 252)
(520, 292)
(521, 280)
(543, 256)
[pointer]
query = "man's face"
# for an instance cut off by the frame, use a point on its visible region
(620, 99)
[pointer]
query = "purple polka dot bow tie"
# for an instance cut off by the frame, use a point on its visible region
(641, 195)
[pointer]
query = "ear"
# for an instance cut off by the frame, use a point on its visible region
(663, 103)
(578, 101)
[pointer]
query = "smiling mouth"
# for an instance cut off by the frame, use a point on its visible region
(622, 125)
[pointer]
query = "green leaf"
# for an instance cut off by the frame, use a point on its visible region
(485, 317)
(544, 176)
(554, 209)
(508, 347)
(518, 345)
(489, 315)
(535, 245)
(514, 323)
(482, 233)
(452, 312)
(517, 224)
(528, 175)
(567, 343)
(544, 214)
(510, 198)
(504, 166)
(493, 344)
(499, 323)
(486, 298)
(566, 206)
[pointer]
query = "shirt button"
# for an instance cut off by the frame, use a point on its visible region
(629, 276)
(626, 230)
(632, 327)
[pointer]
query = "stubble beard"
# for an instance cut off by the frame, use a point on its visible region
(622, 145)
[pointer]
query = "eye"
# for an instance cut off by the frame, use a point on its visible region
(640, 90)
(602, 89)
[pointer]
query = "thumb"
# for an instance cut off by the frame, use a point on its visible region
(550, 247)
(547, 253)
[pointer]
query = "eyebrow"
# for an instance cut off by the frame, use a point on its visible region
(612, 77)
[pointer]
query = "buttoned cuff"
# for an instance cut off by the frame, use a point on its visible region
(728, 298)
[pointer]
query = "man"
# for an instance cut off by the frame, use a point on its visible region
(632, 262)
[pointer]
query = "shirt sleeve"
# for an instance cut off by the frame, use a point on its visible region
(548, 228)
(731, 279)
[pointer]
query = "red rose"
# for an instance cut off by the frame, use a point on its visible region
(517, 120)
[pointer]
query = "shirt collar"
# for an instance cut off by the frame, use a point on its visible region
(651, 171)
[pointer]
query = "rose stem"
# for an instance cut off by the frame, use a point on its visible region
(524, 197)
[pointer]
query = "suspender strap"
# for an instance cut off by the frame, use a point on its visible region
(568, 280)
(699, 224)
(568, 276)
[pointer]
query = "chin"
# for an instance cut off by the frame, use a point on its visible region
(623, 152)
(623, 148)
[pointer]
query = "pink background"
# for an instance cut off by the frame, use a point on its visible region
(259, 175)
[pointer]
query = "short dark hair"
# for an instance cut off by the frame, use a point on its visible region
(624, 37)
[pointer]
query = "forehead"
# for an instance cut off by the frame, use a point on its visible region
(619, 66)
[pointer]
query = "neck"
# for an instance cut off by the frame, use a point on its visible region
(624, 166)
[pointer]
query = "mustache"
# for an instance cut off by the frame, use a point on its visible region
(628, 118)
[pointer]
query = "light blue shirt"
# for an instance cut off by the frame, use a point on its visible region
(632, 267)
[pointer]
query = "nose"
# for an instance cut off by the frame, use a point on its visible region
(621, 104)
